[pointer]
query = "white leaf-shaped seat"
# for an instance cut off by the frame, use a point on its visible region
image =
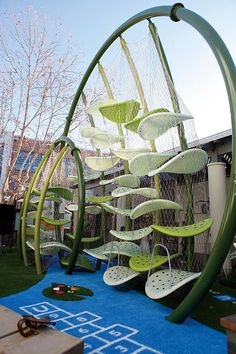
(104, 140)
(132, 235)
(98, 252)
(118, 275)
(49, 248)
(89, 132)
(153, 205)
(126, 180)
(145, 192)
(143, 163)
(189, 161)
(114, 210)
(93, 209)
(101, 163)
(159, 123)
(93, 109)
(128, 154)
(164, 282)
(124, 248)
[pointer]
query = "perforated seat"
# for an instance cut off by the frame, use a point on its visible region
(141, 263)
(118, 275)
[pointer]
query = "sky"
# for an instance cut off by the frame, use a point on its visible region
(195, 71)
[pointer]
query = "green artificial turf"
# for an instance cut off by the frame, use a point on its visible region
(210, 310)
(14, 276)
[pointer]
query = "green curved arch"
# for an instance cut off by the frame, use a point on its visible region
(227, 229)
(81, 206)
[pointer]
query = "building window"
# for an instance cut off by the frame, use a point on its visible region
(25, 160)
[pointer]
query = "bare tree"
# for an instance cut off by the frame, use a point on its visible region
(38, 78)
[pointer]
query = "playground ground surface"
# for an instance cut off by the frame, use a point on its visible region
(113, 321)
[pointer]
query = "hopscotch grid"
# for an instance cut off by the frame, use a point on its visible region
(90, 322)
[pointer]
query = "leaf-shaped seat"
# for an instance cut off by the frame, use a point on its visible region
(101, 163)
(89, 132)
(141, 262)
(120, 112)
(93, 109)
(132, 235)
(145, 192)
(30, 230)
(87, 178)
(104, 140)
(114, 210)
(93, 209)
(49, 248)
(185, 231)
(134, 124)
(126, 180)
(118, 275)
(189, 161)
(142, 164)
(98, 252)
(128, 154)
(164, 282)
(125, 248)
(81, 262)
(99, 199)
(89, 239)
(72, 207)
(153, 205)
(61, 191)
(55, 222)
(159, 123)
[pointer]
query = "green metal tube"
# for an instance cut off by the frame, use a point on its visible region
(227, 229)
(26, 204)
(81, 203)
(40, 209)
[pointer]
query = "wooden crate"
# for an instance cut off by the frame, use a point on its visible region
(48, 340)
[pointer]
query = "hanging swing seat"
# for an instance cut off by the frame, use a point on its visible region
(185, 231)
(120, 112)
(164, 282)
(145, 192)
(124, 248)
(49, 248)
(187, 162)
(132, 235)
(127, 180)
(141, 262)
(118, 275)
(144, 163)
(159, 123)
(81, 262)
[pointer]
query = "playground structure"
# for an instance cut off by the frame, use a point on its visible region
(138, 121)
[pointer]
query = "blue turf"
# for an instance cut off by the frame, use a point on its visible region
(118, 322)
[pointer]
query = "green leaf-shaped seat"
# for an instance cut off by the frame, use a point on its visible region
(189, 161)
(93, 109)
(132, 235)
(99, 199)
(54, 222)
(157, 124)
(85, 239)
(134, 124)
(81, 262)
(61, 191)
(143, 163)
(128, 154)
(185, 231)
(120, 112)
(113, 210)
(153, 205)
(141, 262)
(145, 192)
(127, 180)
(101, 163)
